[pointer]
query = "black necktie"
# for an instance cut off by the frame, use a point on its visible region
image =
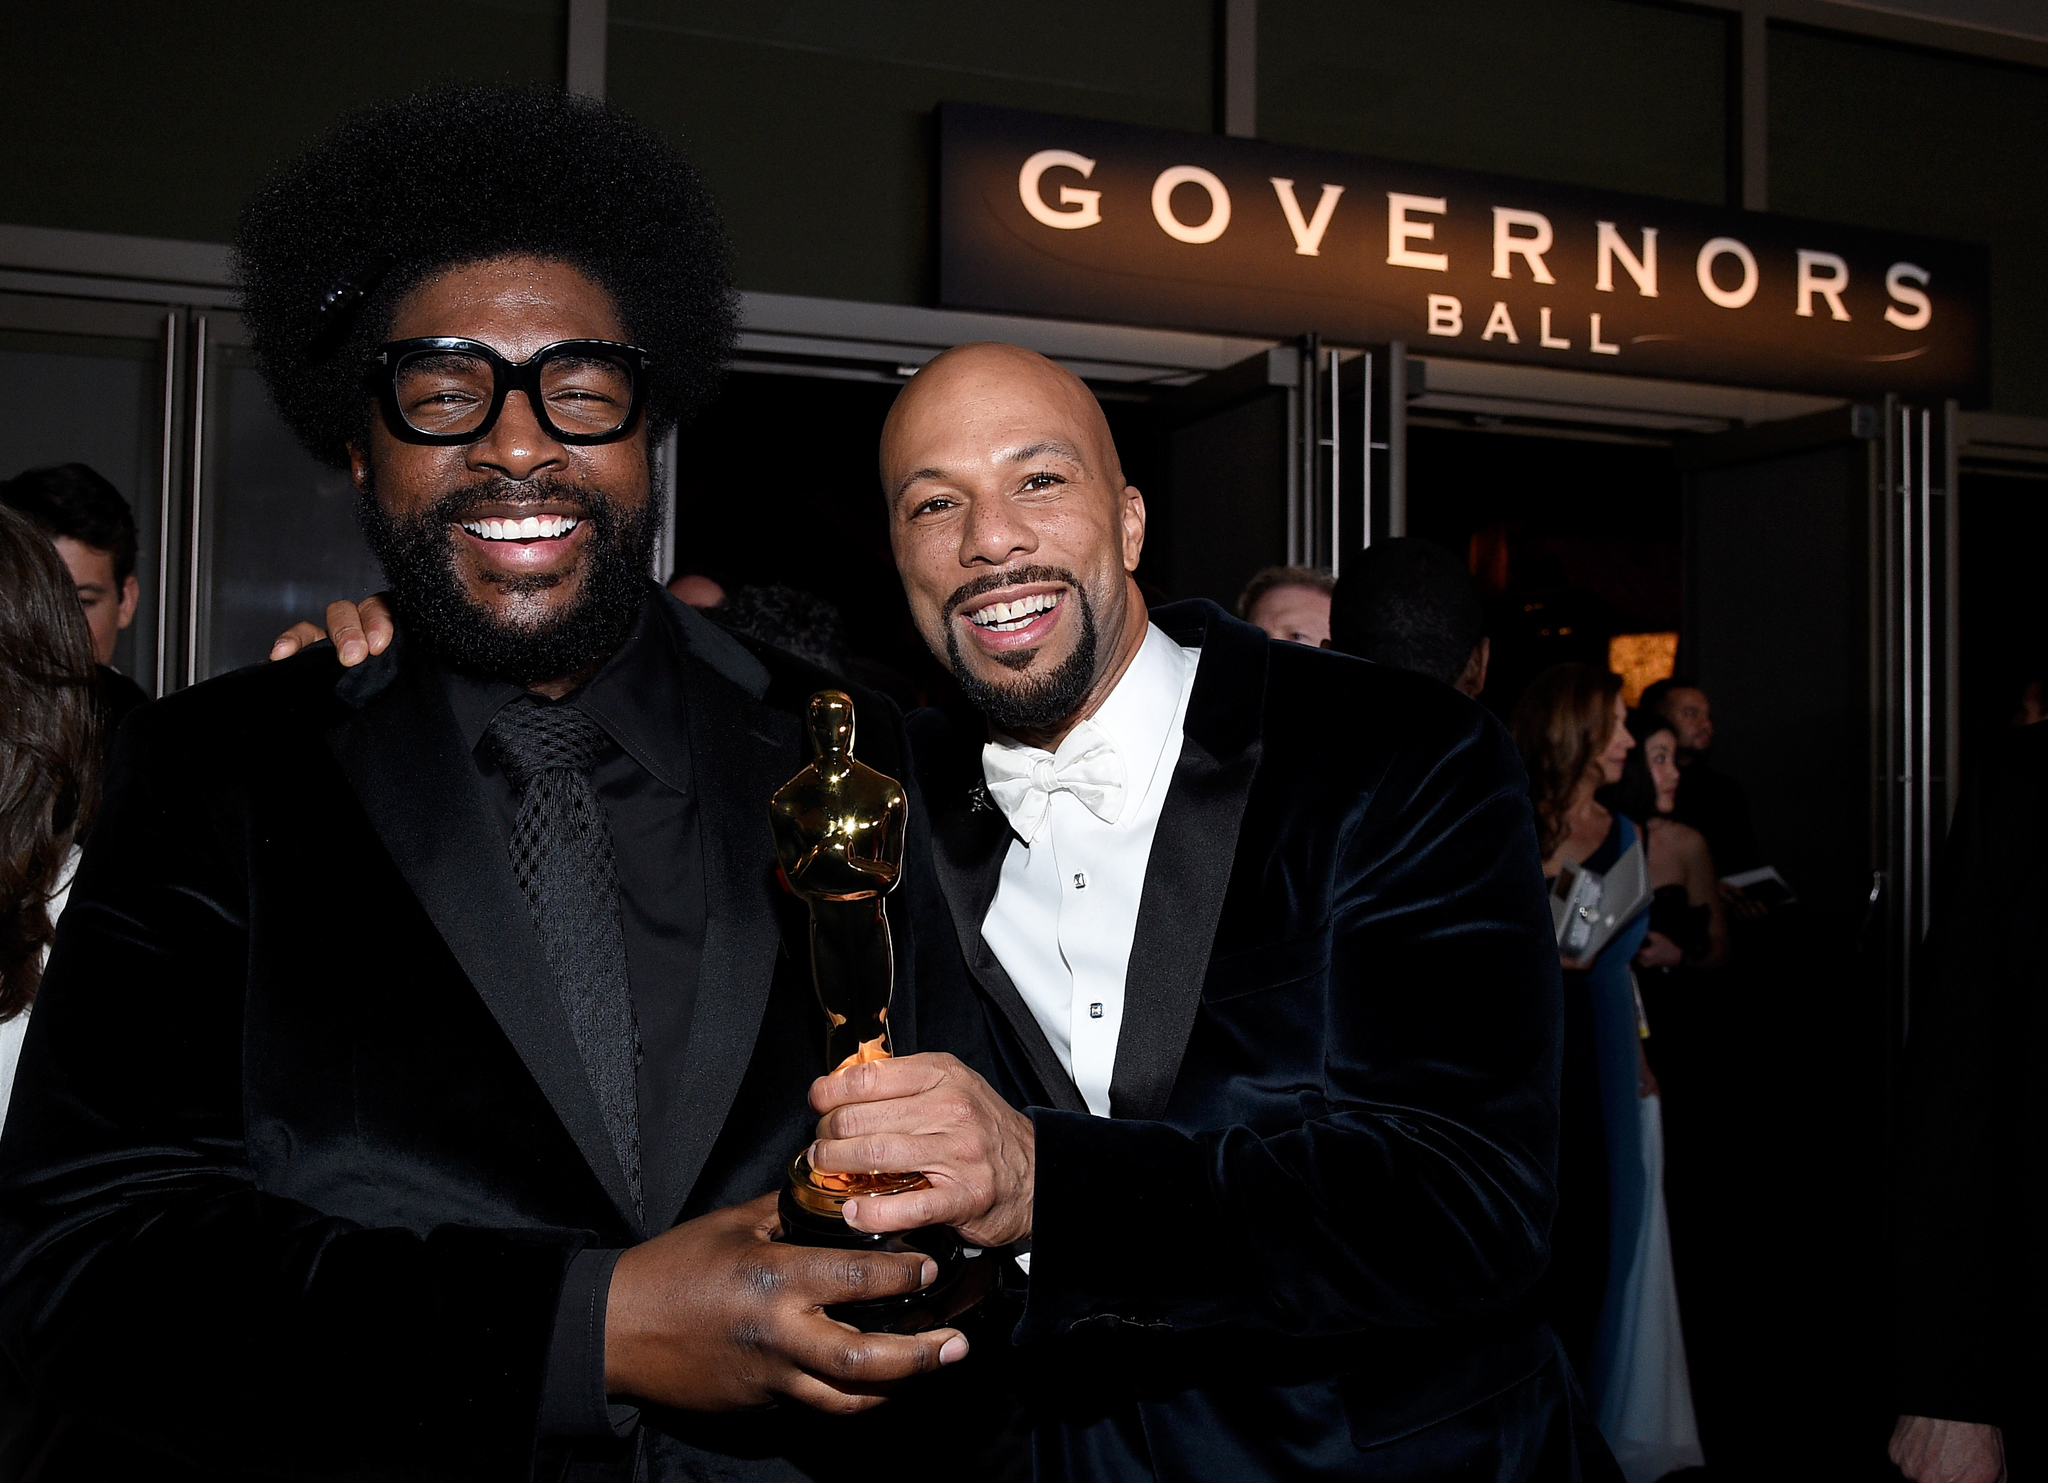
(562, 857)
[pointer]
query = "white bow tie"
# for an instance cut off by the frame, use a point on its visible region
(1022, 780)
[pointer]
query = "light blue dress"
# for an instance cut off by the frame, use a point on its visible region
(1617, 1046)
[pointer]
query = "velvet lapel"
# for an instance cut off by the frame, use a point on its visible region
(970, 836)
(1192, 855)
(402, 754)
(741, 751)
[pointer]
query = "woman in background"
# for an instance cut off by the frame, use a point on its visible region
(49, 765)
(1687, 925)
(1621, 1326)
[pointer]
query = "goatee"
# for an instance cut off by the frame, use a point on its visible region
(1035, 702)
(417, 554)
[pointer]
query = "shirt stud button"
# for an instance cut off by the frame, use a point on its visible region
(1080, 880)
(1095, 1011)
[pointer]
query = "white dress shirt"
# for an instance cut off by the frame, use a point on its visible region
(14, 1031)
(1082, 821)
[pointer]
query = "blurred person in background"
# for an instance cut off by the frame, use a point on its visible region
(2031, 700)
(1687, 925)
(1709, 800)
(49, 765)
(1411, 604)
(1684, 1010)
(1970, 1185)
(1290, 603)
(1612, 1289)
(698, 590)
(93, 529)
(792, 621)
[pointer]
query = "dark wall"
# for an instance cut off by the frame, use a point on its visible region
(160, 120)
(814, 121)
(1778, 636)
(1916, 142)
(2004, 622)
(1226, 514)
(1610, 93)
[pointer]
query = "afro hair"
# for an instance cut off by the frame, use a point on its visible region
(399, 191)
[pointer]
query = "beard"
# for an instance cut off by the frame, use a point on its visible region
(417, 554)
(1034, 702)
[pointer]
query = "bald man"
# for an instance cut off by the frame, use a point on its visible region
(1260, 932)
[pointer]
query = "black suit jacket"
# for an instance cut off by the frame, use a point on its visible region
(1970, 1199)
(1298, 1244)
(301, 1145)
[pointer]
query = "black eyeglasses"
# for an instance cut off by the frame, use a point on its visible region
(445, 391)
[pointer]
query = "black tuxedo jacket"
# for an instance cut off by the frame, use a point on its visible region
(301, 1144)
(1970, 1196)
(1297, 1246)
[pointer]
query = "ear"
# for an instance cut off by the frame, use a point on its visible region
(359, 467)
(131, 593)
(1133, 521)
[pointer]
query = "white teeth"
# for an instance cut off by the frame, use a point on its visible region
(533, 527)
(1006, 617)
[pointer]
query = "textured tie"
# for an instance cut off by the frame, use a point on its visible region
(562, 856)
(1022, 780)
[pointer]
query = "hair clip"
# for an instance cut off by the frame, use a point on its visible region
(331, 317)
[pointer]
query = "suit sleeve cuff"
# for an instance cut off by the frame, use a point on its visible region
(1124, 1230)
(573, 1403)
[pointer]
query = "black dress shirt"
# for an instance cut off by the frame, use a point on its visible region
(644, 780)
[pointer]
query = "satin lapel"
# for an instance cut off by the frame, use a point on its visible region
(1193, 853)
(969, 840)
(403, 756)
(741, 751)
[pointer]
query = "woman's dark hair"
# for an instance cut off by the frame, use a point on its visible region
(1634, 796)
(49, 746)
(398, 192)
(1561, 725)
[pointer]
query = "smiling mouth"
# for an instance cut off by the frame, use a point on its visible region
(532, 528)
(1008, 617)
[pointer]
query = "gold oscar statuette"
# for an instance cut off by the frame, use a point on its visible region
(839, 828)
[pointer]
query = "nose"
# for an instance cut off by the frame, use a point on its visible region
(994, 533)
(517, 446)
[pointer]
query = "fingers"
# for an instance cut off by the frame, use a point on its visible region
(378, 624)
(942, 1109)
(842, 1356)
(295, 638)
(889, 1151)
(824, 1276)
(345, 625)
(941, 1205)
(871, 1081)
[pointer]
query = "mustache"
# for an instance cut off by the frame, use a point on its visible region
(452, 507)
(995, 581)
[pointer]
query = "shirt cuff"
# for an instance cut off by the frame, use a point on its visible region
(573, 1403)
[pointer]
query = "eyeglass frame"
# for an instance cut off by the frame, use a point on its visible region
(507, 376)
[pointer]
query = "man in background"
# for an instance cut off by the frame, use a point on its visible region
(1709, 800)
(1411, 604)
(1289, 602)
(93, 530)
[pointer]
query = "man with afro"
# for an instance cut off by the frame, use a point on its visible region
(474, 1177)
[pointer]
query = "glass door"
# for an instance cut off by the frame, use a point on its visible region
(274, 535)
(96, 382)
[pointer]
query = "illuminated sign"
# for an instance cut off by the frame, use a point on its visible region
(1076, 219)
